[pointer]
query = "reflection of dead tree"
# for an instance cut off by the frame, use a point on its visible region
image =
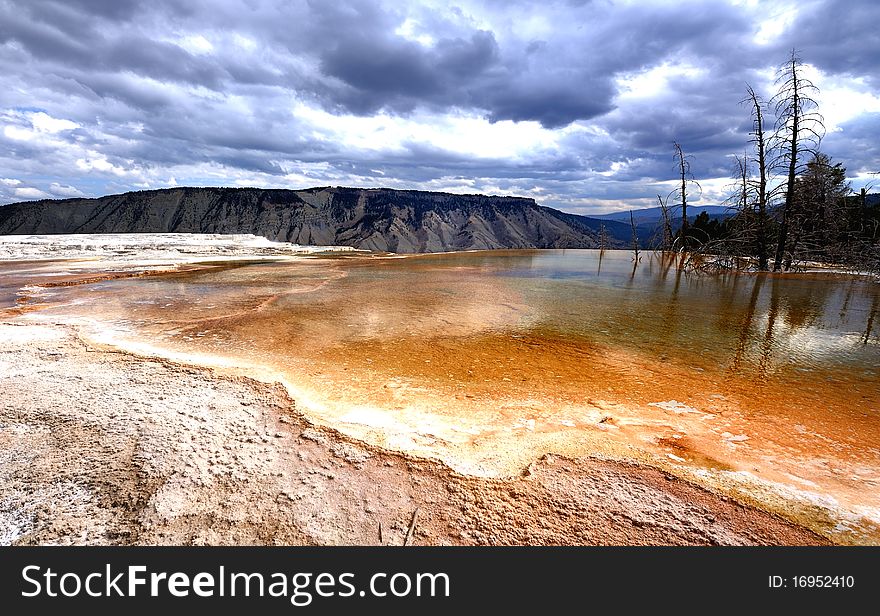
(635, 246)
(667, 261)
(671, 315)
(769, 334)
(746, 326)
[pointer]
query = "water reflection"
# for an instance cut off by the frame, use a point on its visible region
(744, 321)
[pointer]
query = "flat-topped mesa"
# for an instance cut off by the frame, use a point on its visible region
(380, 219)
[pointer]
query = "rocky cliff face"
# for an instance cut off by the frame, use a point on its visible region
(374, 219)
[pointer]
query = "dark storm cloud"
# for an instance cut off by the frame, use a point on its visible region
(111, 9)
(209, 91)
(91, 50)
(400, 74)
(840, 37)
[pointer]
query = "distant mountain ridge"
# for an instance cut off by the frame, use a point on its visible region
(382, 219)
(655, 214)
(649, 221)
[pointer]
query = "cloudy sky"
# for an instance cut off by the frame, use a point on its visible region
(573, 102)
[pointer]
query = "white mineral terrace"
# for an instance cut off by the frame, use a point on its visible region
(152, 248)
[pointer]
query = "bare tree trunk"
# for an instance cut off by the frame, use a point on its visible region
(682, 166)
(635, 237)
(793, 245)
(667, 225)
(792, 172)
(761, 147)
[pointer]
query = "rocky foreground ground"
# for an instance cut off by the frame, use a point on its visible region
(101, 447)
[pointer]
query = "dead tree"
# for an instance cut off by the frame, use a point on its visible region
(635, 237)
(603, 237)
(725, 250)
(685, 176)
(666, 242)
(745, 226)
(799, 129)
(759, 141)
(743, 203)
(683, 167)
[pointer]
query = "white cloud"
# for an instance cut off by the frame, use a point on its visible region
(27, 192)
(244, 42)
(10, 182)
(411, 30)
(654, 81)
(196, 44)
(461, 134)
(17, 133)
(775, 23)
(45, 123)
(64, 191)
(98, 162)
(614, 168)
(842, 98)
